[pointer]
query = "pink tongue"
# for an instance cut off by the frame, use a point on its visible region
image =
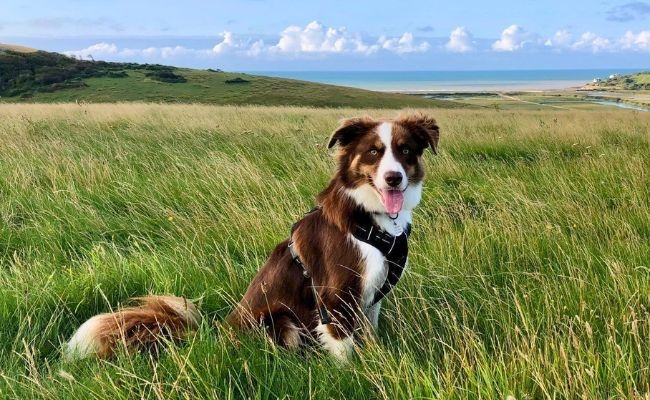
(393, 200)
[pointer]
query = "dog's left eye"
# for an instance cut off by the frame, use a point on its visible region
(405, 150)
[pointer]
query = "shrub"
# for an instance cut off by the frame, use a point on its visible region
(166, 76)
(237, 80)
(117, 74)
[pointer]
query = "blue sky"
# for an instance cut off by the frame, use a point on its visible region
(340, 35)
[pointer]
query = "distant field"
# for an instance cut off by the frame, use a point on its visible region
(549, 100)
(529, 271)
(17, 48)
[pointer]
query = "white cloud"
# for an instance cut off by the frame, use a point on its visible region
(460, 40)
(404, 44)
(149, 52)
(226, 44)
(317, 38)
(561, 38)
(636, 41)
(590, 41)
(320, 40)
(512, 38)
(97, 50)
(593, 42)
(169, 52)
(104, 50)
(314, 38)
(256, 48)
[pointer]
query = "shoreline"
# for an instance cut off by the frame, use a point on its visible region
(479, 92)
(478, 87)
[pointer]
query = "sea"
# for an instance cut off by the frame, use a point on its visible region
(452, 81)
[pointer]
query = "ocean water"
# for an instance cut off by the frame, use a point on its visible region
(445, 81)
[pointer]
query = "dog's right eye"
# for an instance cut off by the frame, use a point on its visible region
(373, 152)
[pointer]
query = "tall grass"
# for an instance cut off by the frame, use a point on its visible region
(529, 272)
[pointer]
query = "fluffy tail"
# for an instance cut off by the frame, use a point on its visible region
(146, 326)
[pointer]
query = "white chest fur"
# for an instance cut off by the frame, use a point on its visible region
(374, 271)
(375, 268)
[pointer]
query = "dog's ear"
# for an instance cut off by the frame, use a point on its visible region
(424, 127)
(350, 129)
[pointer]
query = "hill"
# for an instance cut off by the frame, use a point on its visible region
(16, 48)
(638, 81)
(41, 76)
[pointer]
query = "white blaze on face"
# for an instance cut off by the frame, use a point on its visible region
(391, 197)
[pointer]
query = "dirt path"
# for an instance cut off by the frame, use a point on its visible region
(504, 96)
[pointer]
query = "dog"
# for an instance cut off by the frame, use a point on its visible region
(328, 279)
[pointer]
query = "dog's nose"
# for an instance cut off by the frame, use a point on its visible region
(393, 178)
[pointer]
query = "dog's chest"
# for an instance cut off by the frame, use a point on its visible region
(374, 271)
(374, 265)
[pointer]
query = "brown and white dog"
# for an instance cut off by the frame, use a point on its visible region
(321, 284)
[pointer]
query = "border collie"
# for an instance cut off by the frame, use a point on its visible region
(327, 280)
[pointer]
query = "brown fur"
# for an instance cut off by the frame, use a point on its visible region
(146, 326)
(279, 292)
(279, 296)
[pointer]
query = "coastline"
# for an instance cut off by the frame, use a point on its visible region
(433, 81)
(540, 87)
(479, 87)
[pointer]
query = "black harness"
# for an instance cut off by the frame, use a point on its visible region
(394, 248)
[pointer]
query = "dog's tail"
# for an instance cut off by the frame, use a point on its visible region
(146, 326)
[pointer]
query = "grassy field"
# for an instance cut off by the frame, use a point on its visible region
(529, 272)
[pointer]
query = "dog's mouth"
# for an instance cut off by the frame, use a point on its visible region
(392, 199)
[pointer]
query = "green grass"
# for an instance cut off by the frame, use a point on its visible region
(643, 77)
(210, 87)
(638, 82)
(529, 271)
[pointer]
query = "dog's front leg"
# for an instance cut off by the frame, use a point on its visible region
(336, 340)
(373, 314)
(344, 315)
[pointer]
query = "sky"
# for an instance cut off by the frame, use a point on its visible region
(283, 35)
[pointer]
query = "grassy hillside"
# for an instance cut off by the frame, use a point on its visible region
(211, 88)
(50, 77)
(529, 263)
(638, 81)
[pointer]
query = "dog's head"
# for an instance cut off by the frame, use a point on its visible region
(380, 161)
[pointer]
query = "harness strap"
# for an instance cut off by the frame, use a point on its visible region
(322, 311)
(394, 248)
